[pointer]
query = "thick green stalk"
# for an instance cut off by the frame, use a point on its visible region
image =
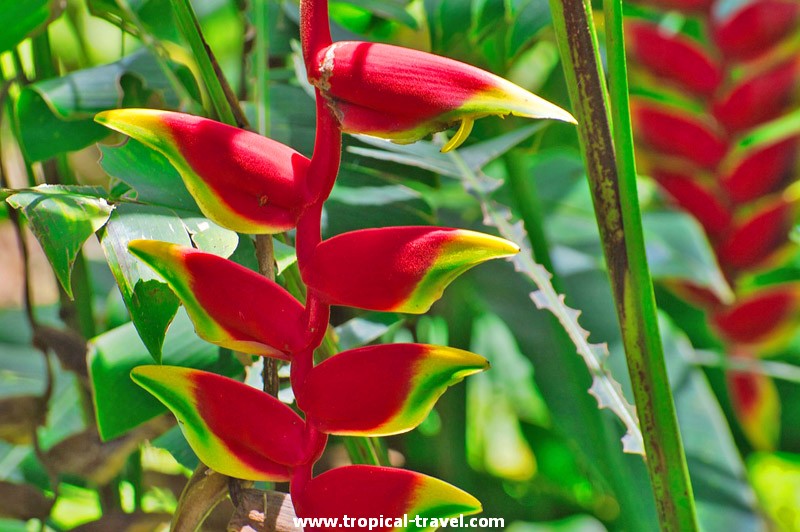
(619, 220)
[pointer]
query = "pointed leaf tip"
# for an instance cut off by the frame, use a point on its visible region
(401, 269)
(383, 389)
(234, 429)
(228, 304)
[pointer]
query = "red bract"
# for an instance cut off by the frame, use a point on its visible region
(241, 180)
(758, 171)
(383, 389)
(401, 269)
(675, 132)
(703, 204)
(228, 304)
(766, 316)
(755, 402)
(403, 95)
(753, 28)
(758, 98)
(674, 57)
(232, 427)
(756, 238)
(380, 492)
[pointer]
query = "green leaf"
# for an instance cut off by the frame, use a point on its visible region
(62, 220)
(22, 18)
(151, 302)
(512, 372)
(152, 178)
(677, 248)
(56, 115)
(389, 9)
(210, 237)
(360, 199)
(122, 405)
(366, 329)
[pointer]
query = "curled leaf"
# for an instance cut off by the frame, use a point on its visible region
(383, 389)
(400, 269)
(228, 304)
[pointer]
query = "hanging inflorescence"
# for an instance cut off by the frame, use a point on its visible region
(254, 185)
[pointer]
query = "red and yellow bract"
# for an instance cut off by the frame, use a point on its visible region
(241, 180)
(228, 304)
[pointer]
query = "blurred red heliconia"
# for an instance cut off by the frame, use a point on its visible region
(674, 57)
(400, 269)
(757, 406)
(698, 200)
(755, 239)
(752, 28)
(674, 131)
(241, 180)
(403, 95)
(758, 171)
(758, 98)
(763, 319)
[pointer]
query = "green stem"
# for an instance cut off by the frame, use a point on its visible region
(222, 98)
(616, 207)
(261, 66)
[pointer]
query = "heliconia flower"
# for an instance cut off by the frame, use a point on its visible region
(403, 95)
(766, 318)
(241, 180)
(698, 200)
(757, 238)
(233, 428)
(228, 304)
(674, 57)
(399, 269)
(383, 389)
(674, 131)
(372, 492)
(758, 98)
(754, 27)
(757, 407)
(758, 171)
